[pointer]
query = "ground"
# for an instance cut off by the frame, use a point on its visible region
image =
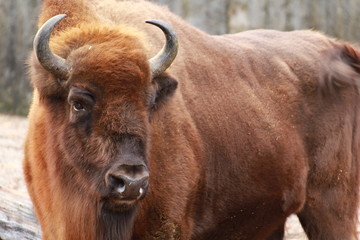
(12, 133)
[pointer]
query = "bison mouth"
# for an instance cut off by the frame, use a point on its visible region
(118, 204)
(125, 193)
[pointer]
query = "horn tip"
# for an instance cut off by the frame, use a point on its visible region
(63, 15)
(151, 21)
(59, 17)
(156, 22)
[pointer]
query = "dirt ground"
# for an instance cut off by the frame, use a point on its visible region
(12, 133)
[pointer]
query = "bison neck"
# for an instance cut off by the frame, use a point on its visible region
(114, 225)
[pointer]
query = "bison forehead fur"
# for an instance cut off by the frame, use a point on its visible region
(112, 58)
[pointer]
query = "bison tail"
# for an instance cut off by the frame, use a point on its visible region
(341, 69)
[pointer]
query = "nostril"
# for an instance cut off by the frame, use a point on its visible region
(128, 182)
(118, 183)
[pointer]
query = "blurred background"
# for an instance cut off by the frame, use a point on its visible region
(337, 18)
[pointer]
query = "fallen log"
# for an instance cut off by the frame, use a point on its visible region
(17, 219)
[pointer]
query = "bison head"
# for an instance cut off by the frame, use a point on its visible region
(98, 92)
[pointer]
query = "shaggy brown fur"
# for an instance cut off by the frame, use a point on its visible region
(262, 124)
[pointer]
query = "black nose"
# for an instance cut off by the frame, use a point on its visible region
(129, 182)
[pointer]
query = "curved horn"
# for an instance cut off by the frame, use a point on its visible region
(50, 61)
(167, 54)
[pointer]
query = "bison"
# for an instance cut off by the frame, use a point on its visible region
(223, 137)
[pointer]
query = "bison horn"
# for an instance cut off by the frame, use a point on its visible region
(50, 61)
(163, 60)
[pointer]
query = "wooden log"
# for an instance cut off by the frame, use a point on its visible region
(17, 219)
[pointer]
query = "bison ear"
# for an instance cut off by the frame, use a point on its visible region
(164, 87)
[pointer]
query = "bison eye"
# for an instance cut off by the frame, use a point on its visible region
(81, 102)
(78, 106)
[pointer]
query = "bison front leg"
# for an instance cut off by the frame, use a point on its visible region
(330, 214)
(278, 234)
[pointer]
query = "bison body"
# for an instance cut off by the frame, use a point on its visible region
(239, 132)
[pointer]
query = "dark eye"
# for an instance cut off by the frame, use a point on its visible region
(78, 106)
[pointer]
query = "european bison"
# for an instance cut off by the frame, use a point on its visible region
(237, 134)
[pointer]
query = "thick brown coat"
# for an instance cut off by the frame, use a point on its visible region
(262, 124)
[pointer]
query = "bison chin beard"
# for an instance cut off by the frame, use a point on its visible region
(114, 223)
